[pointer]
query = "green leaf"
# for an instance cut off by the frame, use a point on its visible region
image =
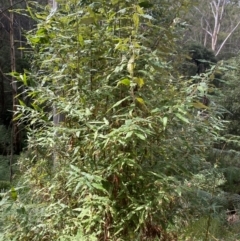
(23, 78)
(119, 103)
(140, 100)
(99, 187)
(80, 40)
(77, 188)
(124, 82)
(130, 65)
(141, 136)
(129, 134)
(139, 81)
(199, 105)
(106, 121)
(181, 117)
(41, 16)
(87, 20)
(147, 16)
(13, 194)
(136, 20)
(114, 1)
(164, 120)
(21, 103)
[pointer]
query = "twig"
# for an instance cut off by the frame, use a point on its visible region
(4, 10)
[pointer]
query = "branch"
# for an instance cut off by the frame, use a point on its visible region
(208, 32)
(225, 40)
(6, 16)
(208, 25)
(222, 10)
(4, 75)
(215, 14)
(213, 5)
(4, 10)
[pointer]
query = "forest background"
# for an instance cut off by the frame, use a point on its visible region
(119, 120)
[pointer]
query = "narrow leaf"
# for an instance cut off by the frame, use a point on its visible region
(181, 117)
(129, 134)
(141, 136)
(199, 105)
(130, 65)
(164, 120)
(136, 20)
(118, 103)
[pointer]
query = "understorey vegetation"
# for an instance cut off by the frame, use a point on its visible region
(126, 130)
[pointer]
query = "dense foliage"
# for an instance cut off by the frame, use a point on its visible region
(119, 130)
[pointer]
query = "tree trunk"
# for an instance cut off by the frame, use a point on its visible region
(2, 95)
(15, 132)
(205, 38)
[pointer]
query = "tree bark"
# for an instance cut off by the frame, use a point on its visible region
(15, 132)
(2, 100)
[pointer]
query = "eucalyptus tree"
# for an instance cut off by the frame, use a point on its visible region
(214, 24)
